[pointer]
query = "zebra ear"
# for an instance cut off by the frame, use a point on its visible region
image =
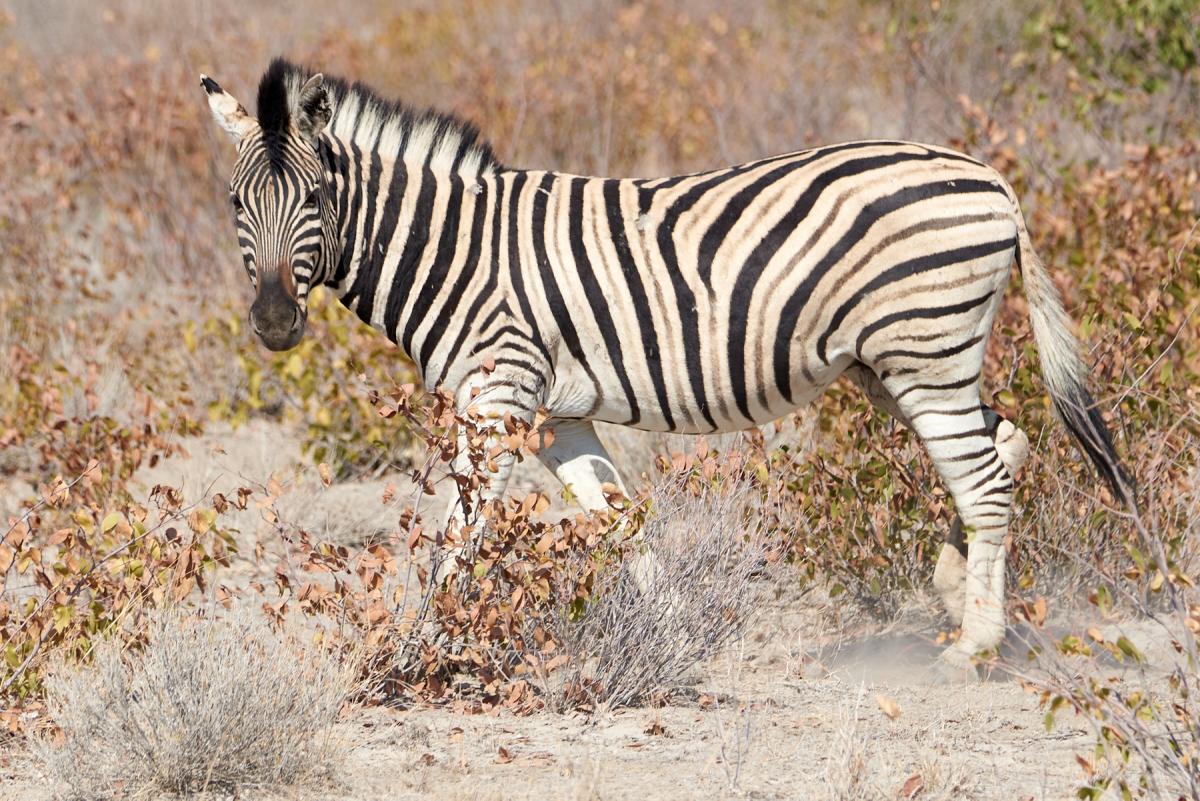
(228, 113)
(313, 108)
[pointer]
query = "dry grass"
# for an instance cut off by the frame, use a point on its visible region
(859, 770)
(209, 705)
(686, 594)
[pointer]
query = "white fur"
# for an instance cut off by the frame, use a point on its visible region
(230, 114)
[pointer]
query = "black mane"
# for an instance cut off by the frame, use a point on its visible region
(274, 108)
(362, 115)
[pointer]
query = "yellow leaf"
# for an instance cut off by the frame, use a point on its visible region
(1129, 649)
(82, 519)
(62, 616)
(110, 521)
(294, 367)
(200, 520)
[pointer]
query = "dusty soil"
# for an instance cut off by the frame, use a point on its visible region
(795, 710)
(754, 728)
(776, 718)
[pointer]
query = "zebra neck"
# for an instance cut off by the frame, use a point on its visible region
(405, 231)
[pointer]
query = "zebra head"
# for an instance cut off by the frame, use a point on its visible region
(280, 199)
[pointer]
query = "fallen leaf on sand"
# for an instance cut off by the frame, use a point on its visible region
(888, 706)
(912, 787)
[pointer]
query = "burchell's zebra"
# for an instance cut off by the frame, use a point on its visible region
(697, 303)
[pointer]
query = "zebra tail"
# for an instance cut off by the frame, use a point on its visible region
(1065, 374)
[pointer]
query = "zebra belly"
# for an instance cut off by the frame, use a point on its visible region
(595, 392)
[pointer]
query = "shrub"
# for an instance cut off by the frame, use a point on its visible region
(485, 617)
(1145, 717)
(682, 593)
(208, 705)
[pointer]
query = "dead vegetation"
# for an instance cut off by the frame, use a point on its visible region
(684, 591)
(209, 705)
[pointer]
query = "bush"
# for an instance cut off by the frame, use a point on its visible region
(1145, 717)
(675, 600)
(323, 385)
(209, 705)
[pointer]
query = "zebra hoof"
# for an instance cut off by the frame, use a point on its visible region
(954, 667)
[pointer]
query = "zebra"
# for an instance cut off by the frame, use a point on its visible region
(706, 302)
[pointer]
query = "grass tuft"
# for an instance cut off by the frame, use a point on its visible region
(210, 705)
(683, 595)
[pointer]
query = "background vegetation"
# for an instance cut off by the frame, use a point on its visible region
(122, 299)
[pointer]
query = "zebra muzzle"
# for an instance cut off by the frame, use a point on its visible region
(275, 316)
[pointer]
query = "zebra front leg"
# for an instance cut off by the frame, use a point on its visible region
(485, 400)
(465, 506)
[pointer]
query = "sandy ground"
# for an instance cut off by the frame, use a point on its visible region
(793, 711)
(755, 727)
(777, 742)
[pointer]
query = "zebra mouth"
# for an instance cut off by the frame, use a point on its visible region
(280, 326)
(283, 341)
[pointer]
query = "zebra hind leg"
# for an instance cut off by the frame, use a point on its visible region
(963, 442)
(580, 461)
(950, 574)
(1012, 446)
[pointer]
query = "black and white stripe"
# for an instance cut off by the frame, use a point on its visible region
(705, 302)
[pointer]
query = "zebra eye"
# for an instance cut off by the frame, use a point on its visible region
(237, 203)
(311, 202)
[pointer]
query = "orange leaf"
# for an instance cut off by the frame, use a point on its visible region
(912, 787)
(888, 706)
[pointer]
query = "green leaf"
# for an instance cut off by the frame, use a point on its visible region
(1130, 650)
(62, 616)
